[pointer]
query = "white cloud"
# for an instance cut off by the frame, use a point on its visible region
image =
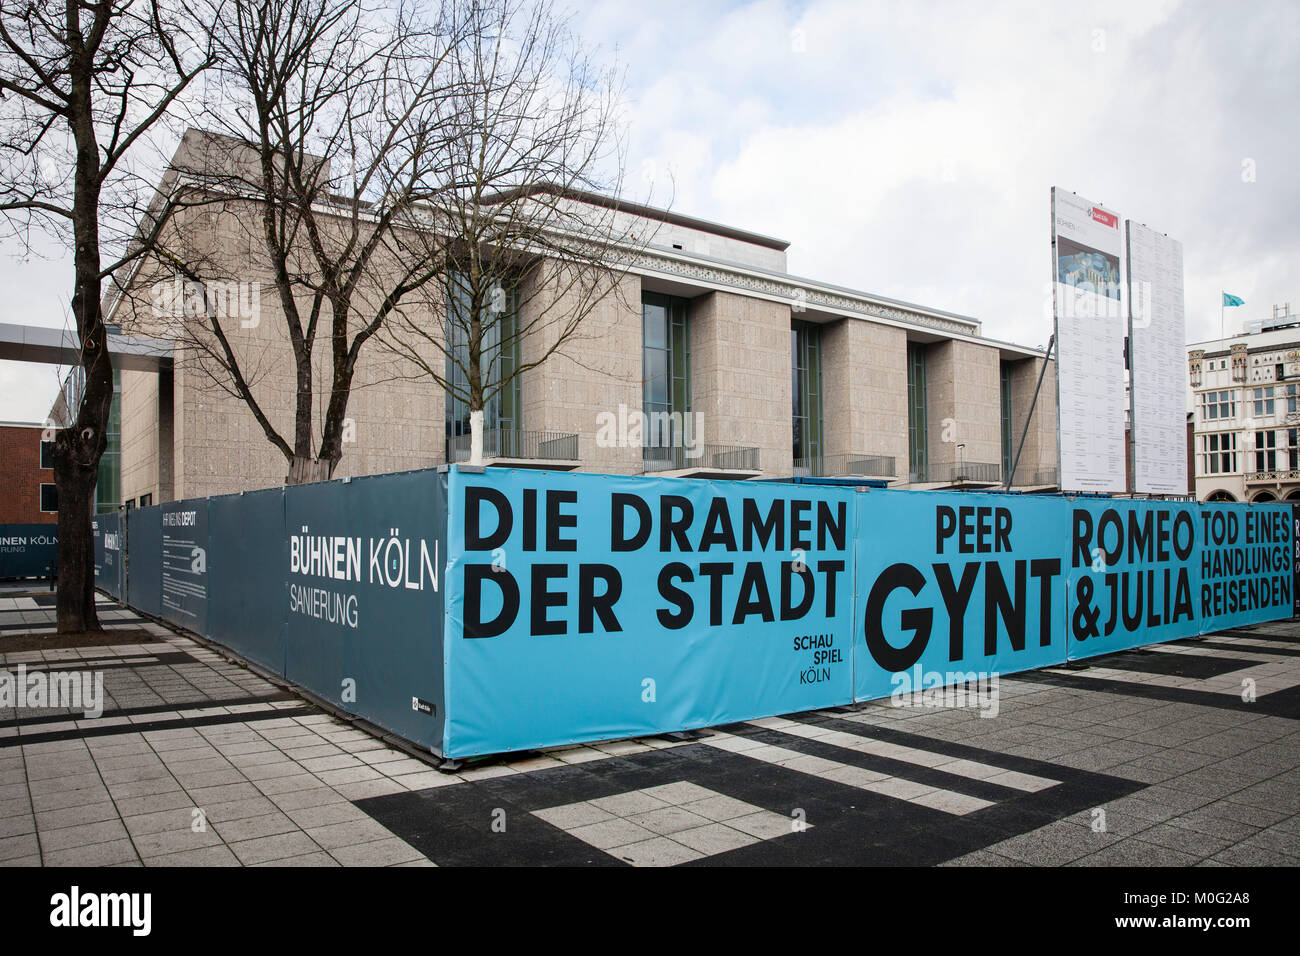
(908, 149)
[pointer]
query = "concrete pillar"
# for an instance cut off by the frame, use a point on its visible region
(741, 376)
(864, 388)
(588, 377)
(963, 402)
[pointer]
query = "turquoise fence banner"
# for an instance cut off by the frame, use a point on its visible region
(184, 562)
(27, 550)
(1295, 558)
(1246, 565)
(955, 589)
(1146, 572)
(586, 607)
(477, 612)
(1134, 573)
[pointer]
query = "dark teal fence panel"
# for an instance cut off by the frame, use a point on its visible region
(110, 551)
(27, 550)
(245, 560)
(363, 597)
(184, 559)
(144, 559)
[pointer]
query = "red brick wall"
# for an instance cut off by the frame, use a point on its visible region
(21, 476)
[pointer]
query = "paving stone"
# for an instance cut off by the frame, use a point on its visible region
(278, 847)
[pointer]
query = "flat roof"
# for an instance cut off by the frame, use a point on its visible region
(48, 346)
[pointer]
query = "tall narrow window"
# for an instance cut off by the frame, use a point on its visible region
(918, 457)
(665, 377)
(806, 389)
(108, 484)
(501, 409)
(1266, 451)
(1220, 453)
(1008, 450)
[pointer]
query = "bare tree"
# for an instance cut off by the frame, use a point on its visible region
(520, 224)
(83, 83)
(331, 106)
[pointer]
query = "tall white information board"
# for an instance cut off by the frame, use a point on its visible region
(1157, 362)
(1090, 326)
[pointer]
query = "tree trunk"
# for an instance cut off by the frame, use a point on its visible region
(75, 598)
(78, 448)
(476, 437)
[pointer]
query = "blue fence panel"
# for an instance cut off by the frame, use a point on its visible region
(585, 607)
(109, 553)
(144, 559)
(27, 550)
(185, 564)
(1295, 559)
(1134, 574)
(246, 583)
(955, 588)
(363, 598)
(477, 613)
(1247, 568)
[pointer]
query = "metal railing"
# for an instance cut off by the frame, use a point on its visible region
(712, 457)
(854, 465)
(985, 472)
(516, 443)
(1042, 478)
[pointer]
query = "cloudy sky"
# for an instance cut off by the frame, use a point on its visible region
(908, 149)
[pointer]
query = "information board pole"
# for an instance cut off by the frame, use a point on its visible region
(1032, 405)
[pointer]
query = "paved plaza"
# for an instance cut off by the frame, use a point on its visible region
(1183, 754)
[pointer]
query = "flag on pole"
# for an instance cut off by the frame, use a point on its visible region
(1232, 300)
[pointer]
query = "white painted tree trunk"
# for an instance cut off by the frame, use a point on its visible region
(476, 437)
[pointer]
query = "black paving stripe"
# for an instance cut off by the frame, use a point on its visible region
(1253, 648)
(150, 709)
(168, 659)
(172, 724)
(452, 825)
(133, 657)
(1174, 664)
(110, 624)
(994, 758)
(1281, 703)
(889, 766)
(1258, 636)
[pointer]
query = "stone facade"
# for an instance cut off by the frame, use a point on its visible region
(740, 375)
(591, 373)
(963, 398)
(864, 391)
(1038, 455)
(185, 434)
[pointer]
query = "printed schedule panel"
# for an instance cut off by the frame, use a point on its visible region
(1157, 362)
(1090, 329)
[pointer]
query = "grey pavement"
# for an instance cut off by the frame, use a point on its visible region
(1186, 754)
